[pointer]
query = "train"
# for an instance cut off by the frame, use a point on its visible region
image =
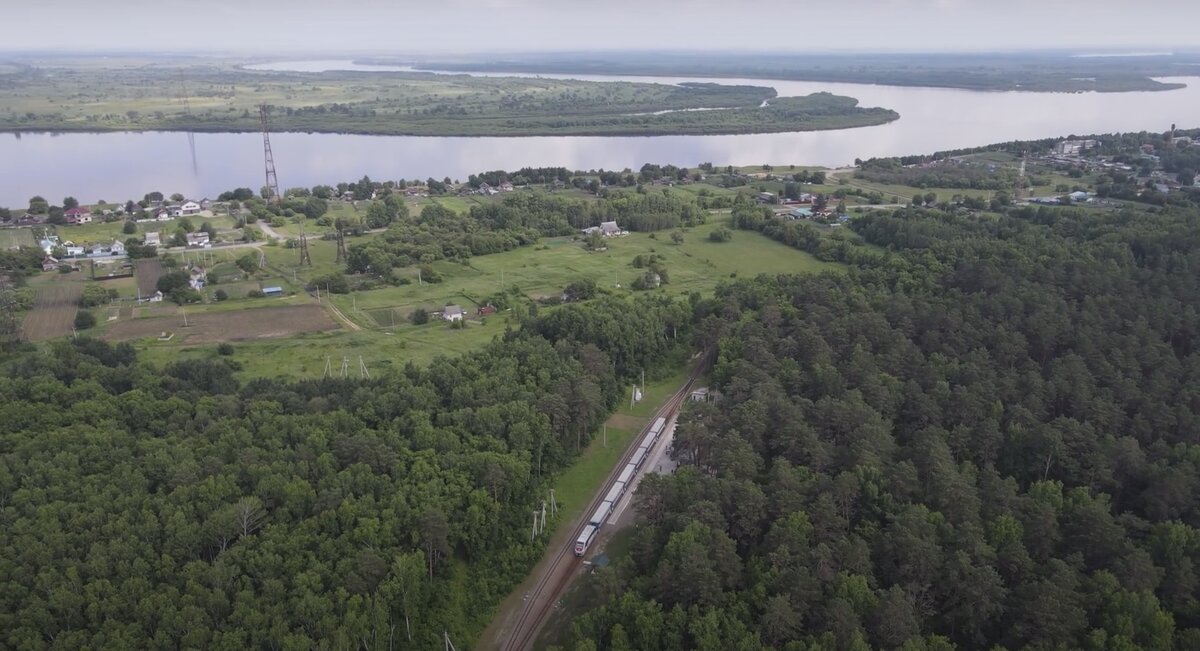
(605, 509)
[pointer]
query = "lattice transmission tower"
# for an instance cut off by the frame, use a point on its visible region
(268, 157)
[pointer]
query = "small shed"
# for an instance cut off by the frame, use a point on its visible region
(272, 291)
(452, 313)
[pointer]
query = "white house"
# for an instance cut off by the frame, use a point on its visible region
(73, 250)
(198, 240)
(117, 248)
(452, 313)
(189, 208)
(153, 239)
(610, 229)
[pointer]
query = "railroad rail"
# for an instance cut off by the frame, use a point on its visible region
(565, 564)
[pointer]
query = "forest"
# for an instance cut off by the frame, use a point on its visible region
(1046, 71)
(942, 174)
(986, 439)
(147, 508)
(201, 94)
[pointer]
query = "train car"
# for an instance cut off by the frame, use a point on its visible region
(638, 458)
(585, 539)
(627, 473)
(659, 425)
(601, 514)
(615, 492)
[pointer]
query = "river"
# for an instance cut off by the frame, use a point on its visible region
(118, 166)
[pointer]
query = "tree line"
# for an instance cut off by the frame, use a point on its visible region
(147, 507)
(986, 439)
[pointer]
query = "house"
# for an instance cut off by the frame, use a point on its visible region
(73, 250)
(205, 204)
(806, 197)
(485, 310)
(198, 240)
(117, 248)
(49, 263)
(78, 215)
(452, 313)
(590, 229)
(507, 186)
(610, 229)
(49, 243)
(175, 211)
(189, 208)
(153, 239)
(766, 197)
(800, 213)
(198, 278)
(484, 188)
(1163, 188)
(272, 291)
(1074, 147)
(1080, 196)
(157, 298)
(162, 214)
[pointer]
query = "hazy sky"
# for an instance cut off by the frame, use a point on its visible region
(406, 26)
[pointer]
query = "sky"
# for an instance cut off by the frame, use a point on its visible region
(469, 26)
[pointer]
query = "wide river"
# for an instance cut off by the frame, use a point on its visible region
(118, 166)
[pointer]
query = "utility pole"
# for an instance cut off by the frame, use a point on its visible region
(553, 503)
(606, 435)
(305, 258)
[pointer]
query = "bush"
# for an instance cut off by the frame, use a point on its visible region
(720, 235)
(221, 295)
(181, 295)
(173, 280)
(129, 228)
(84, 320)
(225, 348)
(255, 293)
(419, 316)
(94, 295)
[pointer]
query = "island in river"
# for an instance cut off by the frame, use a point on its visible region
(203, 95)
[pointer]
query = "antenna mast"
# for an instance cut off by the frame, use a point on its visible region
(269, 159)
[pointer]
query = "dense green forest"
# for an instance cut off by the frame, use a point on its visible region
(181, 508)
(985, 440)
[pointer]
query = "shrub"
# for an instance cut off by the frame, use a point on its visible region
(255, 293)
(720, 235)
(221, 295)
(419, 316)
(225, 348)
(84, 320)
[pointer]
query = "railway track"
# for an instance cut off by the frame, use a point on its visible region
(540, 601)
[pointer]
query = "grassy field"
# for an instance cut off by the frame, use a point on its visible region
(696, 265)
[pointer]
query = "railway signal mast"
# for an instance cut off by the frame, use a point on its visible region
(272, 186)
